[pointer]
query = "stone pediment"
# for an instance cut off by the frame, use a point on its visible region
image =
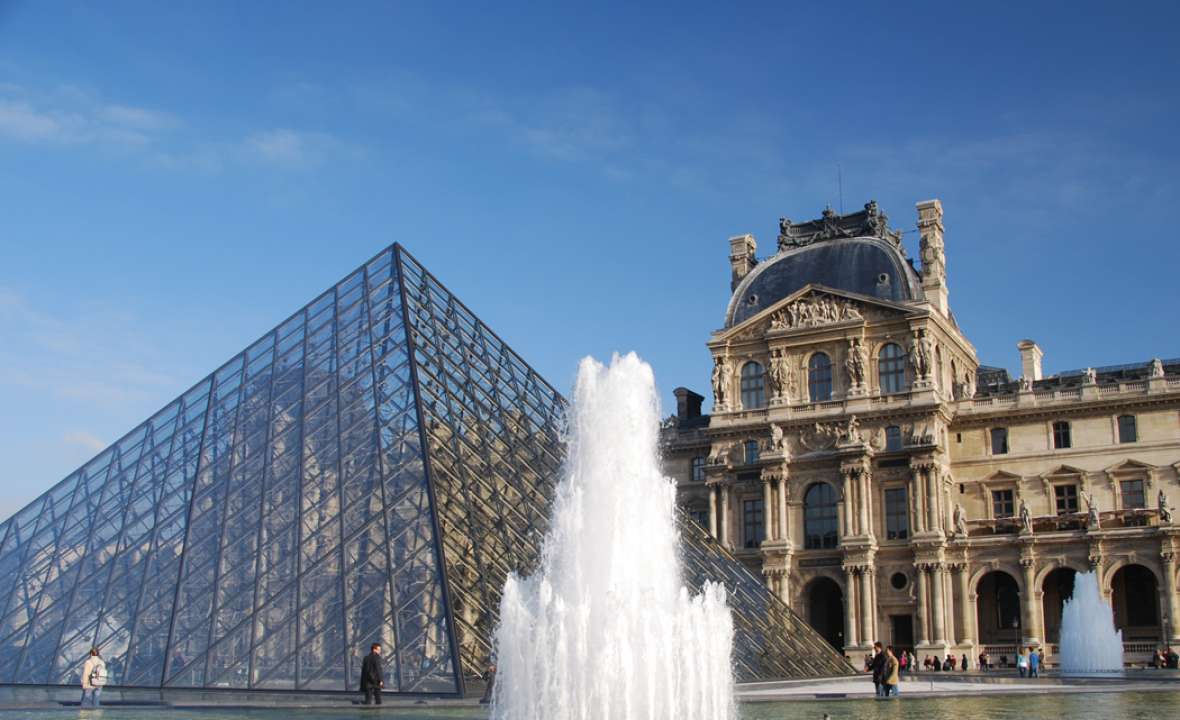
(815, 306)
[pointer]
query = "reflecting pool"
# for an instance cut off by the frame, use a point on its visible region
(1066, 706)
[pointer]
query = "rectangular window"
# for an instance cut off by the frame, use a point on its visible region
(999, 441)
(752, 523)
(1127, 431)
(1132, 492)
(751, 452)
(1003, 504)
(699, 516)
(1061, 437)
(698, 469)
(897, 517)
(1067, 499)
(892, 438)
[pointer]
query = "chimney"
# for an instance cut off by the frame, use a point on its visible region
(741, 258)
(1030, 359)
(688, 404)
(932, 250)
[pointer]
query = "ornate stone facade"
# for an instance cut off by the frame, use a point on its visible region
(888, 487)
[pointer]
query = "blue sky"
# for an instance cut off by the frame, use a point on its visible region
(176, 178)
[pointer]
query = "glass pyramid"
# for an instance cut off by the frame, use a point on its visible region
(368, 471)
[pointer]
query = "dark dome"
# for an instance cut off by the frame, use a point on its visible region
(864, 265)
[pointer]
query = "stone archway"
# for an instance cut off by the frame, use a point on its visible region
(825, 610)
(1135, 598)
(1057, 587)
(998, 609)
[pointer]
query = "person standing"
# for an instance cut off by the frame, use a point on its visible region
(890, 682)
(1021, 663)
(877, 666)
(1034, 663)
(94, 678)
(489, 679)
(964, 661)
(372, 677)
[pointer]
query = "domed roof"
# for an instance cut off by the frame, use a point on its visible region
(872, 266)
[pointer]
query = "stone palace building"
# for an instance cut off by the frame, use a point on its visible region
(889, 487)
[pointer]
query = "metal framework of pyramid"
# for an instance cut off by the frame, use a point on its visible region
(368, 471)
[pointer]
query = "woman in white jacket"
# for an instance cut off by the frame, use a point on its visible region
(94, 677)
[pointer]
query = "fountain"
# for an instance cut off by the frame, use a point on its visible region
(605, 629)
(1089, 642)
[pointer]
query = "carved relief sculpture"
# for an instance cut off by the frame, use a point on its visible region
(814, 311)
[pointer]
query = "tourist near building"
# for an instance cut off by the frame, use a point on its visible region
(890, 487)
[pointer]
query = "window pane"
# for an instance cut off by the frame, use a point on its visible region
(893, 438)
(999, 441)
(1127, 430)
(751, 452)
(897, 523)
(1061, 437)
(698, 469)
(819, 517)
(752, 523)
(819, 377)
(753, 386)
(1067, 499)
(1132, 491)
(1002, 503)
(891, 368)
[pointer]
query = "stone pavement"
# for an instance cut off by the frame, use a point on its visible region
(952, 684)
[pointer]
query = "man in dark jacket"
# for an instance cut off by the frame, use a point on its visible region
(877, 665)
(372, 679)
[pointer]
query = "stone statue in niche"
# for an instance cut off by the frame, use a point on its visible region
(855, 362)
(720, 379)
(1091, 512)
(776, 437)
(777, 372)
(920, 355)
(960, 521)
(852, 431)
(1025, 517)
(1165, 511)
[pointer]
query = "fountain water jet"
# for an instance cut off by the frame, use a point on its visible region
(1089, 642)
(605, 629)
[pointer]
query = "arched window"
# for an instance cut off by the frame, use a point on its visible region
(819, 517)
(698, 469)
(891, 368)
(753, 386)
(819, 377)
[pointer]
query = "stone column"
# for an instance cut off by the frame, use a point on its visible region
(851, 503)
(1028, 603)
(725, 516)
(919, 523)
(931, 498)
(937, 608)
(867, 621)
(713, 511)
(783, 530)
(964, 605)
(767, 511)
(923, 606)
(784, 584)
(866, 501)
(1168, 565)
(850, 634)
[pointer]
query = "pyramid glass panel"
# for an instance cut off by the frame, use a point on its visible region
(368, 471)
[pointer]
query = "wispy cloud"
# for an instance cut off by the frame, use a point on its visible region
(69, 115)
(85, 440)
(284, 147)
